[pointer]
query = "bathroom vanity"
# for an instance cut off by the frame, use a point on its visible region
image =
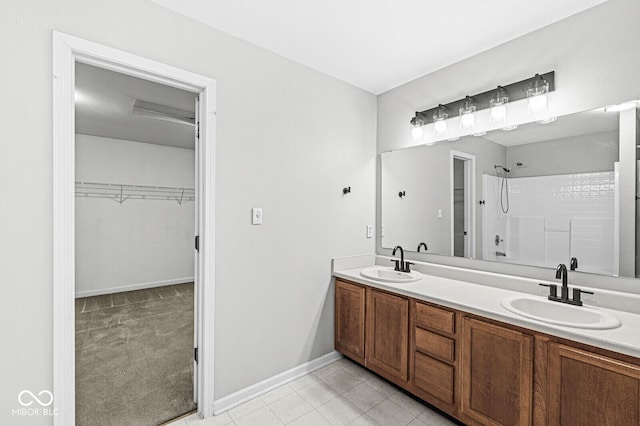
(452, 344)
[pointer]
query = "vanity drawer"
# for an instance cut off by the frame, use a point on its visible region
(435, 318)
(433, 344)
(434, 377)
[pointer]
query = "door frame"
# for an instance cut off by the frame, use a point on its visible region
(67, 50)
(469, 200)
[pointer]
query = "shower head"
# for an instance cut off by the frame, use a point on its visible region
(508, 170)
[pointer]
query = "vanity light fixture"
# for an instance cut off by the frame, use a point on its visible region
(537, 94)
(417, 131)
(467, 114)
(439, 120)
(621, 107)
(534, 89)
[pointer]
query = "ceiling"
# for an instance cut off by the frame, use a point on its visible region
(376, 44)
(104, 102)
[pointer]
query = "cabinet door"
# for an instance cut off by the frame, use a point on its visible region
(590, 389)
(388, 336)
(497, 369)
(350, 320)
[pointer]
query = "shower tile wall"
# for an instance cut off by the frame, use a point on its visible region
(554, 218)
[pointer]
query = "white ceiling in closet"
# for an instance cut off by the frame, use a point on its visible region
(105, 102)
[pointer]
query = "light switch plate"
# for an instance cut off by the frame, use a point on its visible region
(369, 231)
(256, 215)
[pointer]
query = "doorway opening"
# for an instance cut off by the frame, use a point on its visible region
(135, 219)
(462, 178)
(68, 52)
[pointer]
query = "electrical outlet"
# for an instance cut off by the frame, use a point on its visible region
(369, 231)
(256, 215)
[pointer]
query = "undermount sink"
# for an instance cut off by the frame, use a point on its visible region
(390, 275)
(559, 313)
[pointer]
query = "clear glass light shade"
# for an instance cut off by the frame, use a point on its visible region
(538, 104)
(498, 107)
(440, 127)
(417, 133)
(417, 130)
(537, 94)
(467, 114)
(440, 121)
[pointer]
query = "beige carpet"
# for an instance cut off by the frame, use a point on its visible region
(134, 357)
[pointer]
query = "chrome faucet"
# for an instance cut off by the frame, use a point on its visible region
(401, 265)
(561, 273)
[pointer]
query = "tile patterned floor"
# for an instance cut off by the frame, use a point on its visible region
(341, 393)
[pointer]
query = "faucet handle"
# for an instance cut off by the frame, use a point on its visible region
(553, 289)
(407, 266)
(576, 295)
(397, 268)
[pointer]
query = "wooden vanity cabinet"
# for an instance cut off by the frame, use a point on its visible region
(350, 302)
(435, 356)
(585, 388)
(387, 336)
(497, 374)
(481, 371)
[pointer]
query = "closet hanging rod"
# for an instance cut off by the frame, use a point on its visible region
(122, 192)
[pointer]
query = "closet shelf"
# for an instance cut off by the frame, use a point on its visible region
(122, 192)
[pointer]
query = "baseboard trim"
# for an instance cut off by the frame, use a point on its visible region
(230, 401)
(99, 292)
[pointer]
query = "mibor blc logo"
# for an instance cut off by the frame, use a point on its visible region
(35, 404)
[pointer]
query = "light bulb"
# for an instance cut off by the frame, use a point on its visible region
(417, 133)
(467, 121)
(537, 94)
(499, 113)
(538, 104)
(439, 120)
(498, 107)
(467, 116)
(440, 127)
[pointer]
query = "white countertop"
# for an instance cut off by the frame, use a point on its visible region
(485, 301)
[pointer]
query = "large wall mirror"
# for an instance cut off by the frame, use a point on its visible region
(538, 195)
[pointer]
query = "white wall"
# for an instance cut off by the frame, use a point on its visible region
(578, 154)
(139, 242)
(425, 173)
(594, 55)
(288, 140)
